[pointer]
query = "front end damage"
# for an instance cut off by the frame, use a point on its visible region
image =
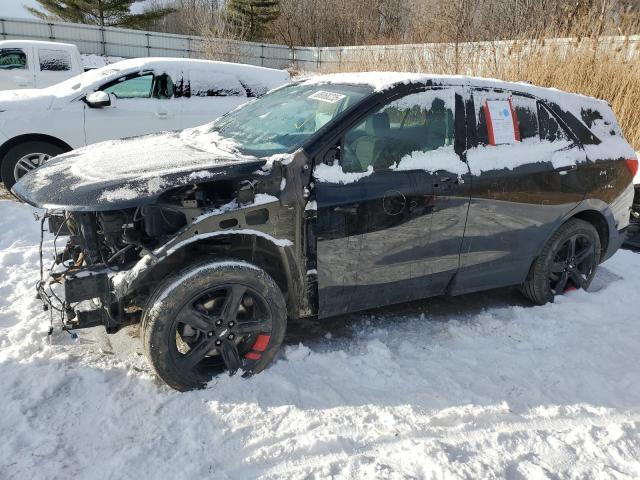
(113, 260)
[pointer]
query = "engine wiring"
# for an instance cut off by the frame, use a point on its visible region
(52, 302)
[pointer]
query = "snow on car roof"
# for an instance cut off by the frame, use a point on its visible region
(381, 81)
(269, 77)
(41, 43)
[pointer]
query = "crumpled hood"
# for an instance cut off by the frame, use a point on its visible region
(126, 173)
(27, 99)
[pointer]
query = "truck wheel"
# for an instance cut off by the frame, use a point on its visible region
(568, 261)
(24, 157)
(213, 317)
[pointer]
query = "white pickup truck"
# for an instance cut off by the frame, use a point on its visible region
(34, 64)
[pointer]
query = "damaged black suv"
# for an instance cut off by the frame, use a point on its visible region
(327, 196)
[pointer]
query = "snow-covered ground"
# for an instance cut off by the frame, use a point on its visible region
(480, 386)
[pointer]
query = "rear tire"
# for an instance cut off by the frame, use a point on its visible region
(213, 317)
(24, 157)
(568, 261)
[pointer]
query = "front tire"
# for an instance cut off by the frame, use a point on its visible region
(24, 157)
(568, 261)
(213, 317)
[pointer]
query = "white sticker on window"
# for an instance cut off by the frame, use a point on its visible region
(328, 97)
(502, 124)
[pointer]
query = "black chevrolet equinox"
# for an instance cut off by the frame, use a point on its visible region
(330, 195)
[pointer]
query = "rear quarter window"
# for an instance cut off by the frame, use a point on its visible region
(550, 129)
(212, 84)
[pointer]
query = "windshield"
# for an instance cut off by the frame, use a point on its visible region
(281, 121)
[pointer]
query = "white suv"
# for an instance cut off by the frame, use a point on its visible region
(124, 99)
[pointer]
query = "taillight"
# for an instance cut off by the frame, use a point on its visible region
(632, 165)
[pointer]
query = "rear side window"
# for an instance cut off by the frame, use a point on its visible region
(403, 134)
(54, 60)
(212, 84)
(526, 110)
(531, 119)
(253, 88)
(12, 59)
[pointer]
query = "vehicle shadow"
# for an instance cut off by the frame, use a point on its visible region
(438, 309)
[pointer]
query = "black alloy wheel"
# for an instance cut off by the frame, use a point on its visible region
(215, 317)
(573, 265)
(219, 328)
(568, 261)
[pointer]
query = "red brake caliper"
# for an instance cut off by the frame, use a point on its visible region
(258, 347)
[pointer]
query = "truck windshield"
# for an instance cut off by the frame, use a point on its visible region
(281, 121)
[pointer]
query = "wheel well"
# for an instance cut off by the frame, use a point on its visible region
(31, 137)
(596, 219)
(255, 250)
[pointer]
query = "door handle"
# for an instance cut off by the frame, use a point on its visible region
(163, 115)
(351, 210)
(448, 179)
(446, 182)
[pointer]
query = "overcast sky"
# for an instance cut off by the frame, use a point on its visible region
(15, 8)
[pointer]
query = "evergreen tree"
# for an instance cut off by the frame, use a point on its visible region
(253, 16)
(106, 13)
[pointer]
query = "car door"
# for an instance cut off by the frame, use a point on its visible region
(209, 95)
(375, 210)
(524, 179)
(141, 103)
(16, 68)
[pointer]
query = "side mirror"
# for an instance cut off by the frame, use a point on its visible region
(98, 100)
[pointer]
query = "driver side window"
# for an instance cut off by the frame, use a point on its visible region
(403, 131)
(133, 87)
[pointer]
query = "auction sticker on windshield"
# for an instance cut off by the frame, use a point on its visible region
(329, 97)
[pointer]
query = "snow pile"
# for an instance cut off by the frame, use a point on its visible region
(121, 170)
(531, 150)
(334, 174)
(443, 158)
(145, 157)
(475, 388)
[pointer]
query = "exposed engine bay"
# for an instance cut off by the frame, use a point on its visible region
(104, 265)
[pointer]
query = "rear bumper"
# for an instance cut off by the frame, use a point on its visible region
(632, 239)
(616, 239)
